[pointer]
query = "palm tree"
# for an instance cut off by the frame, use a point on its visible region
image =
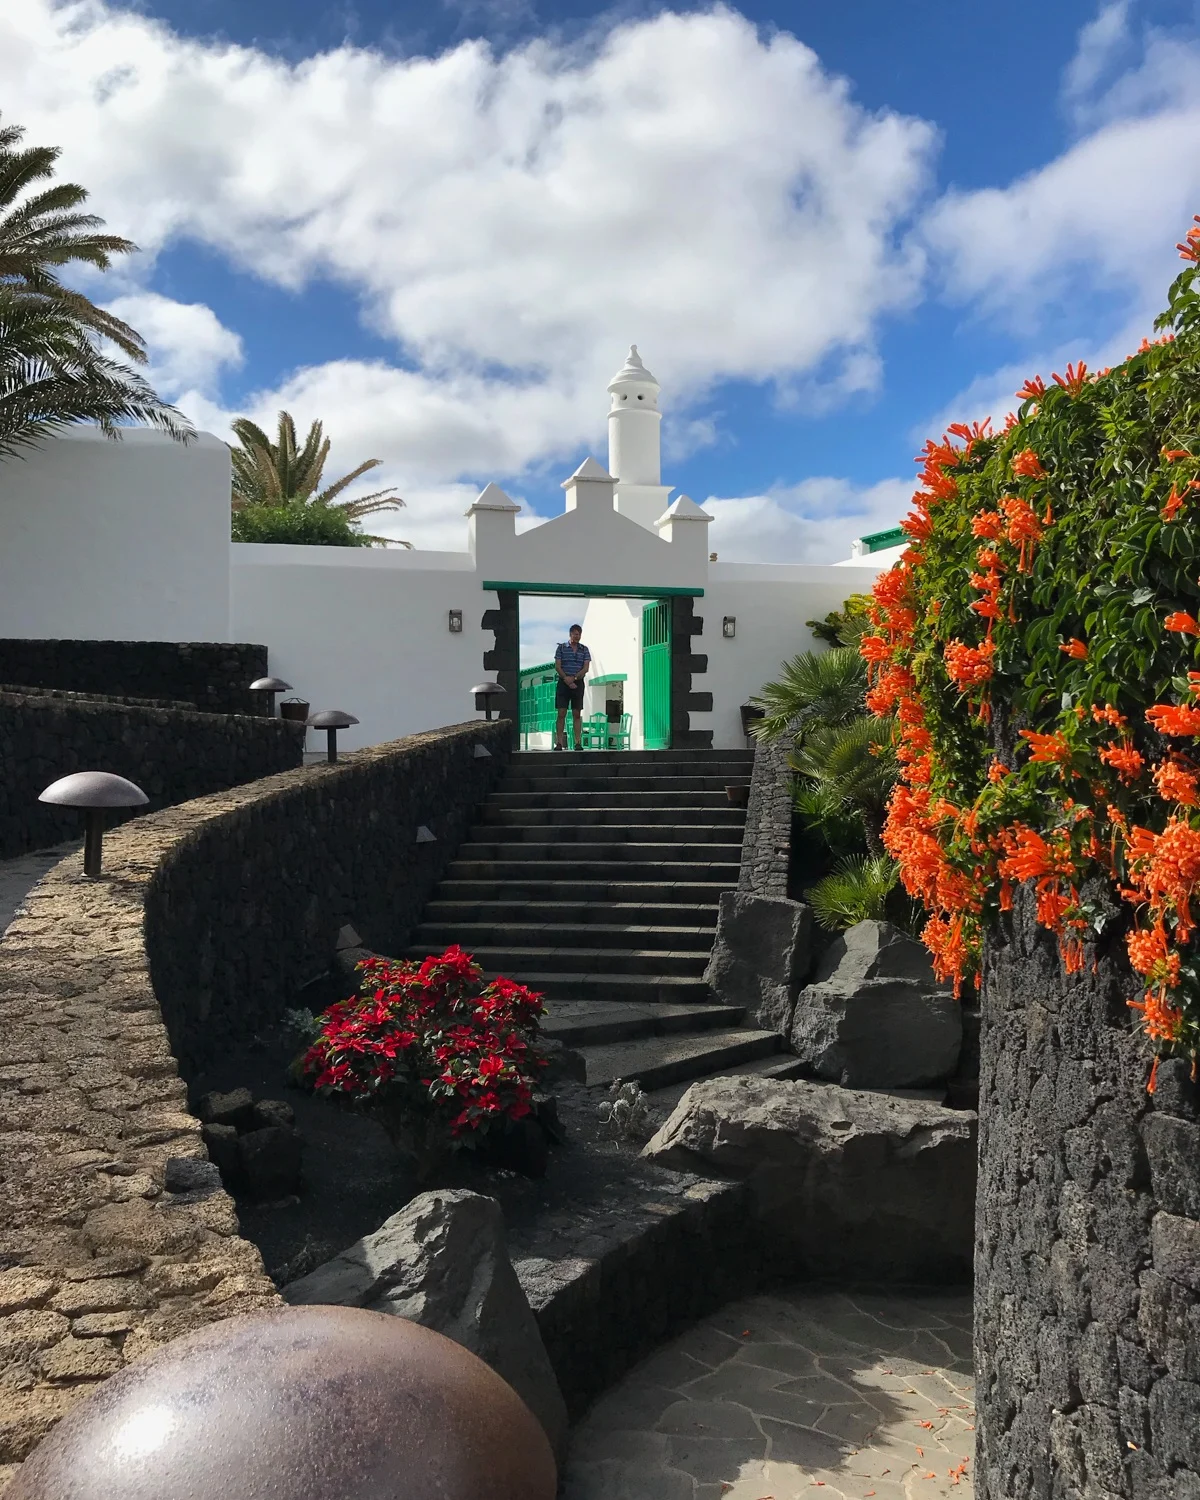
(850, 768)
(286, 473)
(825, 687)
(51, 369)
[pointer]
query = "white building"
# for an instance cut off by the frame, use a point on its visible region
(129, 540)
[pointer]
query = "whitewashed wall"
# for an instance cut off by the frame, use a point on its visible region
(612, 632)
(124, 539)
(770, 606)
(366, 631)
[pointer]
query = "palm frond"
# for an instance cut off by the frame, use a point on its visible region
(856, 890)
(816, 686)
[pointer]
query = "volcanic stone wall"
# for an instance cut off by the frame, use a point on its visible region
(1087, 1304)
(172, 754)
(115, 1233)
(767, 839)
(214, 676)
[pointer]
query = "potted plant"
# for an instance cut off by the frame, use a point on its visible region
(443, 1060)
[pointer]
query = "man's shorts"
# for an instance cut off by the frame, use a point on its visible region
(567, 697)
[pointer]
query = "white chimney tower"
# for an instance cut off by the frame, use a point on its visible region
(634, 443)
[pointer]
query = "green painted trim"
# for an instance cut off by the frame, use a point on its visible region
(611, 677)
(594, 590)
(878, 541)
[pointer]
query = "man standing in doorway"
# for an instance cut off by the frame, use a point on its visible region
(571, 661)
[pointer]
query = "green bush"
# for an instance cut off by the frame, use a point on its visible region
(303, 525)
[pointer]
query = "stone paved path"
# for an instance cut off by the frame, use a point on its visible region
(780, 1396)
(19, 876)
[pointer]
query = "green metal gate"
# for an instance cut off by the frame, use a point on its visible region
(656, 675)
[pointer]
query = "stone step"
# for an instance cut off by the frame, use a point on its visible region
(649, 815)
(580, 781)
(527, 885)
(548, 851)
(515, 962)
(580, 1022)
(657, 1061)
(640, 989)
(525, 932)
(781, 1065)
(608, 798)
(564, 830)
(507, 868)
(455, 915)
(632, 757)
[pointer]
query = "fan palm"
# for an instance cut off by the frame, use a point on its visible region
(856, 890)
(853, 766)
(288, 473)
(824, 687)
(52, 370)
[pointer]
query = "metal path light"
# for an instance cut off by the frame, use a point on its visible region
(331, 719)
(316, 1403)
(270, 686)
(94, 791)
(485, 692)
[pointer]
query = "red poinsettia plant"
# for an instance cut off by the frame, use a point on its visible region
(442, 1057)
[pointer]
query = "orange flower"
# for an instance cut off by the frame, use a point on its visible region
(1031, 857)
(918, 523)
(1075, 380)
(968, 666)
(1151, 956)
(1171, 454)
(1190, 249)
(1033, 389)
(1165, 868)
(1047, 748)
(1027, 465)
(1075, 649)
(1171, 718)
(970, 434)
(988, 524)
(1108, 715)
(1024, 528)
(1174, 783)
(1173, 505)
(1124, 760)
(1182, 622)
(997, 771)
(1010, 421)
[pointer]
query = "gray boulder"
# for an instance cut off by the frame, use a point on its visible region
(762, 950)
(844, 1182)
(442, 1261)
(874, 1017)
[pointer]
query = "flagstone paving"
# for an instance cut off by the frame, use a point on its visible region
(19, 875)
(778, 1396)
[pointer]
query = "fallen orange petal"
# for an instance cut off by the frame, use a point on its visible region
(927, 1424)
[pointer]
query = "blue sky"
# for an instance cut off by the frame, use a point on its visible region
(438, 227)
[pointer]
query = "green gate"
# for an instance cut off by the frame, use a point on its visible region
(656, 675)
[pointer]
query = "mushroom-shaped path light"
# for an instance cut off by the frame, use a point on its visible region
(331, 720)
(315, 1403)
(485, 694)
(94, 791)
(270, 686)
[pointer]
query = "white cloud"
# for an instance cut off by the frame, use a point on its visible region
(1101, 46)
(811, 522)
(188, 345)
(514, 221)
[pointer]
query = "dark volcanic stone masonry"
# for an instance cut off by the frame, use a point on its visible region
(172, 754)
(214, 676)
(1087, 1312)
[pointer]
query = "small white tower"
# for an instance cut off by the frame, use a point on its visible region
(634, 442)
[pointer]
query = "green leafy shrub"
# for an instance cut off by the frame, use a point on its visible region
(303, 525)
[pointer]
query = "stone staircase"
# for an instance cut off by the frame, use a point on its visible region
(594, 877)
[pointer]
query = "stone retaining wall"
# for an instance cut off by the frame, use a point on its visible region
(172, 754)
(115, 1235)
(1087, 1311)
(215, 676)
(24, 690)
(767, 840)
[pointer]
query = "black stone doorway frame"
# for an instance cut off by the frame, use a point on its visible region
(504, 662)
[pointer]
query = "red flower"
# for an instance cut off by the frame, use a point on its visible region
(1172, 718)
(1182, 623)
(1027, 465)
(1076, 379)
(1033, 389)
(1126, 761)
(1075, 648)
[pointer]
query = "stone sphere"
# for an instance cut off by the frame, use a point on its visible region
(307, 1403)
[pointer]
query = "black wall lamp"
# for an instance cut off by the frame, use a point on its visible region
(456, 622)
(729, 627)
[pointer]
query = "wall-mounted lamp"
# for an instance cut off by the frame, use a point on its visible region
(456, 622)
(729, 627)
(712, 557)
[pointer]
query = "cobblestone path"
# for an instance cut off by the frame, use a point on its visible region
(18, 876)
(809, 1393)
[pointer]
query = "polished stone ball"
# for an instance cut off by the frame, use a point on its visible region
(307, 1403)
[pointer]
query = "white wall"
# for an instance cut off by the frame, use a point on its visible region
(770, 606)
(366, 631)
(124, 539)
(612, 633)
